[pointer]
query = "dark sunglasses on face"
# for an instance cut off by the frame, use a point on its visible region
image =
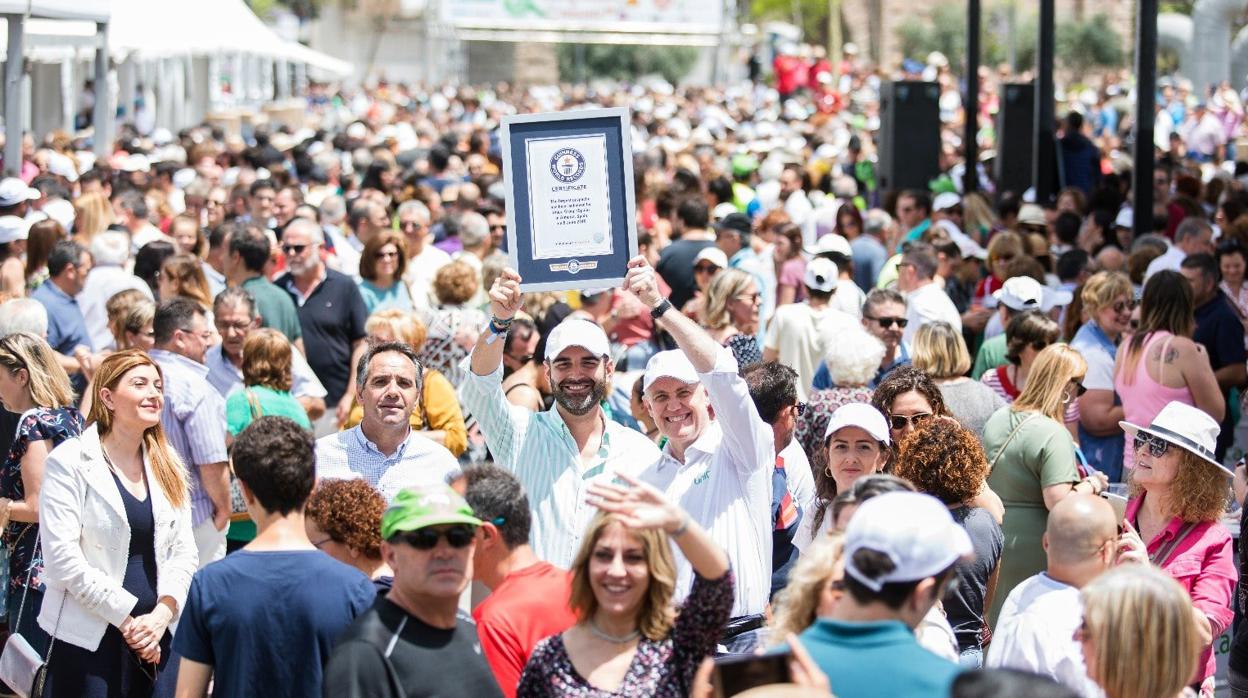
(1079, 388)
(387, 255)
(458, 536)
(1123, 306)
(1156, 445)
(901, 421)
(705, 269)
(294, 249)
(887, 322)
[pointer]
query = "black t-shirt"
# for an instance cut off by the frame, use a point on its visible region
(332, 319)
(964, 606)
(1219, 330)
(676, 268)
(428, 662)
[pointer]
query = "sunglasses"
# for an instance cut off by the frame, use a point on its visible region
(887, 322)
(801, 408)
(1156, 445)
(901, 421)
(387, 255)
(705, 269)
(1123, 306)
(1079, 388)
(458, 536)
(294, 249)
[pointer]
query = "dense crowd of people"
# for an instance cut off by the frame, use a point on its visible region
(278, 419)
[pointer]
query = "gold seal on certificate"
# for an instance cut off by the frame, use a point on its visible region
(569, 202)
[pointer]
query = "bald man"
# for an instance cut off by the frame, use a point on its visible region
(1037, 624)
(1111, 259)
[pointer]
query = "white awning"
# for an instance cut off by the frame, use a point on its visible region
(89, 10)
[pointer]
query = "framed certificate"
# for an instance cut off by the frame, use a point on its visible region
(571, 217)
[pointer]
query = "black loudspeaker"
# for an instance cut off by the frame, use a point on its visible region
(909, 142)
(1016, 120)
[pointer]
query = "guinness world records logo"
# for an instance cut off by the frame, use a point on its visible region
(567, 165)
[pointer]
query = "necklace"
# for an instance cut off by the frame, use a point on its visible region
(614, 639)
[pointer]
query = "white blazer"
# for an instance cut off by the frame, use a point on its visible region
(86, 544)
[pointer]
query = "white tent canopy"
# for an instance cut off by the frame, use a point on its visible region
(88, 10)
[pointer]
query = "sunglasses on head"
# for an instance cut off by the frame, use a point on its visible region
(1156, 445)
(901, 421)
(887, 322)
(458, 536)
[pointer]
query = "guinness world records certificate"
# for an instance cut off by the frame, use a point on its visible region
(569, 188)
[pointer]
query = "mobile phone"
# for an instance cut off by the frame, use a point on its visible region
(1118, 502)
(737, 674)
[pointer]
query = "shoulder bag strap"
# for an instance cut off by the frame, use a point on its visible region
(17, 624)
(1008, 439)
(1162, 556)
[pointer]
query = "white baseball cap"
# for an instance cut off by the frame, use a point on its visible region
(1025, 293)
(861, 415)
(714, 255)
(1125, 218)
(915, 531)
(944, 200)
(575, 332)
(821, 275)
(14, 191)
(832, 243)
(669, 364)
(13, 228)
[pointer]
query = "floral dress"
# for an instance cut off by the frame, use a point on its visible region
(54, 424)
(662, 669)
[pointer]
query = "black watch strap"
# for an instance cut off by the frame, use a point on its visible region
(661, 308)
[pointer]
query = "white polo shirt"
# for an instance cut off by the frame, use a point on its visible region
(929, 303)
(725, 485)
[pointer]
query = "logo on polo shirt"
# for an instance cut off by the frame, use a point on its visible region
(702, 476)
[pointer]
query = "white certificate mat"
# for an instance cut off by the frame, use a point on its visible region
(569, 200)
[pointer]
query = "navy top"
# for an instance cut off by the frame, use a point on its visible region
(1218, 328)
(267, 621)
(332, 318)
(140, 577)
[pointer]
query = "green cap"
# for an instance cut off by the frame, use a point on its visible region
(432, 505)
(743, 164)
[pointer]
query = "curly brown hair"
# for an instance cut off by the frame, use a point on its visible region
(1199, 491)
(455, 284)
(349, 512)
(943, 459)
(904, 379)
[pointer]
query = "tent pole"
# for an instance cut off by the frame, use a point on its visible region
(13, 97)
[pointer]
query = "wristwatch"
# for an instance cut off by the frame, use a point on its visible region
(663, 306)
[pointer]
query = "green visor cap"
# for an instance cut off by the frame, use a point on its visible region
(418, 507)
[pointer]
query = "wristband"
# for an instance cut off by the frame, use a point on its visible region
(663, 306)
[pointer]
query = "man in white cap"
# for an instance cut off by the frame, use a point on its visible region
(900, 552)
(796, 335)
(719, 457)
(1017, 294)
(15, 196)
(556, 454)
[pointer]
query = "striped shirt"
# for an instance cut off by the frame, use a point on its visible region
(194, 421)
(417, 461)
(725, 485)
(540, 451)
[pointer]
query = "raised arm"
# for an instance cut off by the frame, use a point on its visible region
(505, 299)
(692, 339)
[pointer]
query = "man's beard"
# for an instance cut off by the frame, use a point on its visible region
(580, 405)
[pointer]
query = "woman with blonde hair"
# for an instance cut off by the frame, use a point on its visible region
(940, 352)
(1136, 611)
(1032, 460)
(33, 385)
(92, 215)
(1107, 303)
(816, 584)
(114, 518)
(730, 315)
(627, 641)
(1005, 247)
(437, 416)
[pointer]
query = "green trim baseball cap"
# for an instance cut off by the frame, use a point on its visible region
(415, 508)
